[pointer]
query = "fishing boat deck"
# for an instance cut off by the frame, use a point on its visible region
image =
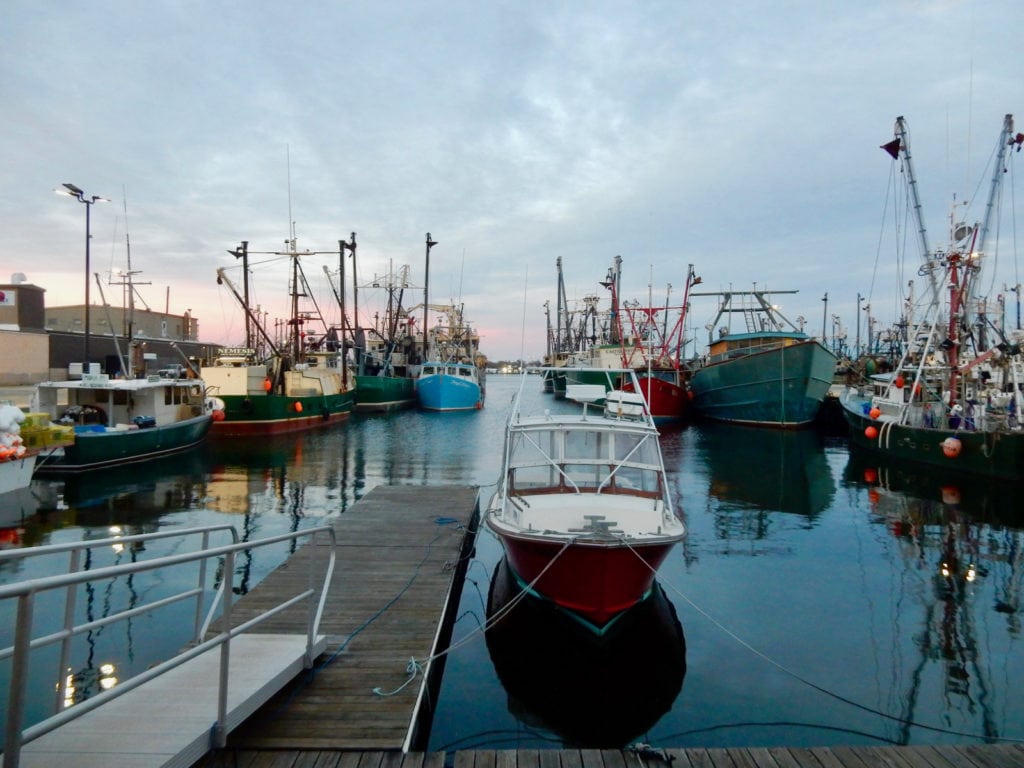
(977, 756)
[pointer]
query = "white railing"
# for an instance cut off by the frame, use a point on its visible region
(26, 593)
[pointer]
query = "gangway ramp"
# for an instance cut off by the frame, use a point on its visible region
(170, 720)
(177, 710)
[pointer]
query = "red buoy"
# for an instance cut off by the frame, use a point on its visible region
(875, 412)
(871, 433)
(298, 407)
(951, 447)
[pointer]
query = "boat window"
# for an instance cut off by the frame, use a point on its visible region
(537, 476)
(585, 445)
(624, 444)
(534, 448)
(587, 475)
(637, 480)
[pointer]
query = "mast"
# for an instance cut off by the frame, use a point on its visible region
(1006, 140)
(242, 252)
(426, 295)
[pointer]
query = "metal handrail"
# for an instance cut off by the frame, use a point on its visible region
(76, 550)
(25, 593)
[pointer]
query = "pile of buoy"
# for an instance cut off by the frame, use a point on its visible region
(11, 445)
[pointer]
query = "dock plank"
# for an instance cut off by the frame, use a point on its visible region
(398, 552)
(973, 756)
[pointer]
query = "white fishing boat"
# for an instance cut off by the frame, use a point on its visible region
(582, 507)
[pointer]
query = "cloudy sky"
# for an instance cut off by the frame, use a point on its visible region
(741, 137)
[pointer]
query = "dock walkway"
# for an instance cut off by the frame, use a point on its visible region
(975, 756)
(398, 552)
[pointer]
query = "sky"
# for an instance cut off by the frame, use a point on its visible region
(740, 137)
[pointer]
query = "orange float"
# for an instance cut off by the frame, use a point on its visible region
(875, 412)
(298, 407)
(871, 433)
(951, 447)
(899, 382)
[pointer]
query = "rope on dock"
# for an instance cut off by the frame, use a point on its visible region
(414, 666)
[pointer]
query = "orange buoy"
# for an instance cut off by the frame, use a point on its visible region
(267, 384)
(218, 415)
(298, 407)
(899, 382)
(950, 494)
(875, 412)
(951, 447)
(871, 433)
(870, 475)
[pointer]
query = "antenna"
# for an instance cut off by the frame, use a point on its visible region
(291, 221)
(522, 333)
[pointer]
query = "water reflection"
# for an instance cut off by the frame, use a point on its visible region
(959, 561)
(592, 692)
(768, 469)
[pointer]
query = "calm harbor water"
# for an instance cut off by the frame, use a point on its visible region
(818, 599)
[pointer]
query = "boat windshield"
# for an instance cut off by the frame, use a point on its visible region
(582, 460)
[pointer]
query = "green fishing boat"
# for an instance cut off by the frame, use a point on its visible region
(777, 377)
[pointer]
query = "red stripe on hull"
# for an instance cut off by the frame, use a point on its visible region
(274, 427)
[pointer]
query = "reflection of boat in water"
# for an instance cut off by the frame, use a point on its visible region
(990, 500)
(958, 560)
(595, 692)
(157, 485)
(777, 470)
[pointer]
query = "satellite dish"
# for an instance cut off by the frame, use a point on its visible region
(962, 231)
(18, 278)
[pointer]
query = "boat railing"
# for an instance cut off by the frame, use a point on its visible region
(27, 594)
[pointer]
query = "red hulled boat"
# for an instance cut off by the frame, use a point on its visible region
(583, 509)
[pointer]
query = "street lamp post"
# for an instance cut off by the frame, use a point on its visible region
(72, 191)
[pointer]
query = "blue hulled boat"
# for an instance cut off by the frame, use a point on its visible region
(449, 387)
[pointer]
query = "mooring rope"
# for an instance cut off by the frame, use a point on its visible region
(413, 667)
(811, 684)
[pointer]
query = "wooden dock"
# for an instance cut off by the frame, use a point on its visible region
(400, 551)
(977, 756)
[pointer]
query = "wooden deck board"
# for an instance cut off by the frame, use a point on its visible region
(397, 552)
(972, 756)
